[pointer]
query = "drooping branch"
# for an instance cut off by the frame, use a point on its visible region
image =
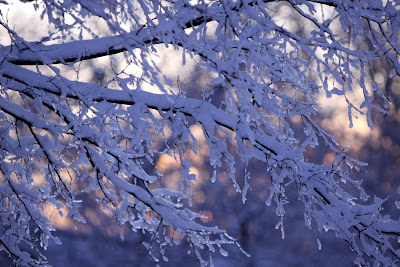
(203, 111)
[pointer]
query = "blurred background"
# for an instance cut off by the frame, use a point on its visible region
(98, 242)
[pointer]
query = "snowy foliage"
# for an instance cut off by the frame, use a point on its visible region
(62, 128)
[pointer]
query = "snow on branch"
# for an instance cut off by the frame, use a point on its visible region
(105, 137)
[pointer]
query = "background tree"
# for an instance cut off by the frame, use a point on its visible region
(64, 135)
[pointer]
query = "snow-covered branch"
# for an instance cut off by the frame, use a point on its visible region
(107, 136)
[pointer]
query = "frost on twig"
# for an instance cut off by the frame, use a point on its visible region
(107, 136)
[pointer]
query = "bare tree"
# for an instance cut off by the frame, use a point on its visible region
(103, 134)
